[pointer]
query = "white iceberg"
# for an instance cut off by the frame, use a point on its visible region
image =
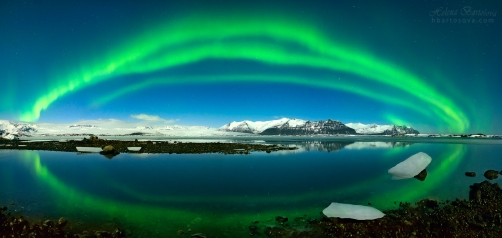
(357, 212)
(134, 148)
(410, 167)
(89, 149)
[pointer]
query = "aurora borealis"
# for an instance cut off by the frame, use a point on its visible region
(208, 63)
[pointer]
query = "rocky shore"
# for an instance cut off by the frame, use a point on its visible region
(18, 226)
(480, 216)
(120, 146)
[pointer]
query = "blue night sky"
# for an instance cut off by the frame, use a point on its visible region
(434, 65)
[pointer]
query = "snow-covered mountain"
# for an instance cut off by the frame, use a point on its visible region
(284, 126)
(374, 129)
(287, 126)
(11, 130)
(257, 127)
(110, 127)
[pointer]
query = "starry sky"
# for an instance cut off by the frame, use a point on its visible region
(434, 65)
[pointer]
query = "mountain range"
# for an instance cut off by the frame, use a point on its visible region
(283, 126)
(10, 130)
(374, 129)
(286, 126)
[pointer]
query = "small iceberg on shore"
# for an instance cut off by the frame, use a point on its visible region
(410, 167)
(357, 212)
(134, 148)
(89, 149)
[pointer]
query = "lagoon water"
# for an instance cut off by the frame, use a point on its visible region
(156, 195)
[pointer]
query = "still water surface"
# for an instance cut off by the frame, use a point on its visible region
(158, 194)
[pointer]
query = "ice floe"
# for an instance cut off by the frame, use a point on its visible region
(89, 149)
(134, 148)
(410, 167)
(357, 212)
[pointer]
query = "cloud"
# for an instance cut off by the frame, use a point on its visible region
(146, 117)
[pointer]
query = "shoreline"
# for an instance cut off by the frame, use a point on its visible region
(480, 216)
(225, 145)
(121, 146)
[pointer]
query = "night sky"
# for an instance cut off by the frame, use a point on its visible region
(419, 63)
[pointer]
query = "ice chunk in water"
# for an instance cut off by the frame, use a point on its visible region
(357, 212)
(411, 166)
(89, 149)
(134, 148)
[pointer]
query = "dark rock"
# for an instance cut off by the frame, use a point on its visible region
(422, 175)
(62, 221)
(491, 174)
(276, 232)
(109, 156)
(118, 233)
(253, 230)
(103, 234)
(428, 203)
(48, 223)
(281, 220)
(470, 174)
(485, 190)
(109, 151)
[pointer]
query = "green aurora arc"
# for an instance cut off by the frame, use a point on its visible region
(272, 41)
